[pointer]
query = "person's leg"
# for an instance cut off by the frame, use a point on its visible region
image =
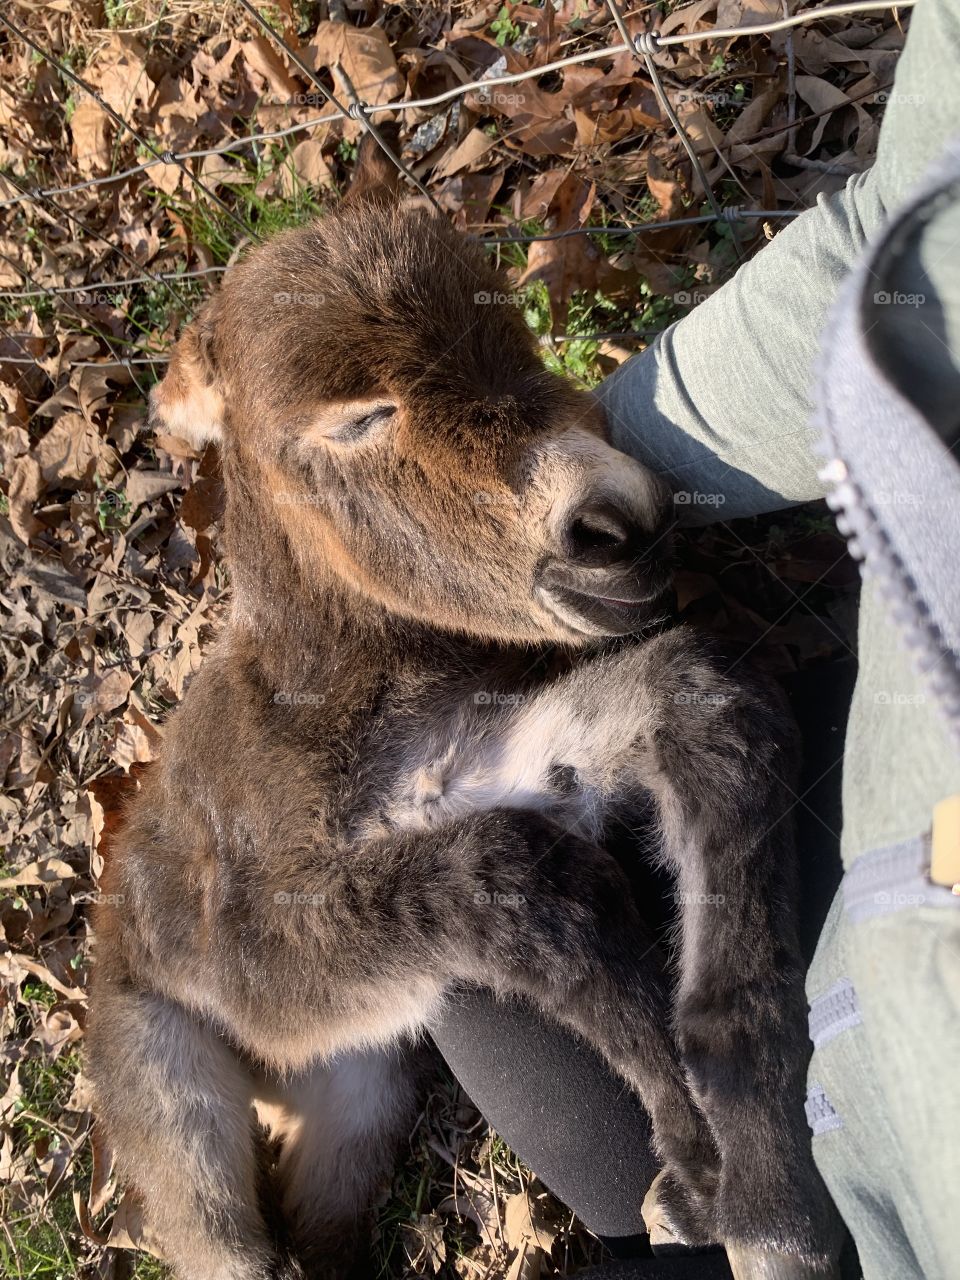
(558, 1105)
(885, 985)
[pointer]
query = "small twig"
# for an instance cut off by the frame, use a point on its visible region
(821, 166)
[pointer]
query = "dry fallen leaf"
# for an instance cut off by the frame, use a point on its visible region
(309, 166)
(366, 56)
(46, 871)
(92, 132)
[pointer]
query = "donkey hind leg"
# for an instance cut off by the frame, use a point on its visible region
(175, 1103)
(724, 793)
(339, 1124)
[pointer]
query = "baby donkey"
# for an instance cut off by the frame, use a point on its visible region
(443, 683)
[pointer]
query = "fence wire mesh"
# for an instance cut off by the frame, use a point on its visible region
(644, 45)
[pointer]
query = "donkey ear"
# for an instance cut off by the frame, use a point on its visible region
(188, 401)
(375, 177)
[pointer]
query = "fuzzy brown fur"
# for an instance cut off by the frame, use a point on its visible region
(442, 682)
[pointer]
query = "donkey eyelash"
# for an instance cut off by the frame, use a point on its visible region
(357, 428)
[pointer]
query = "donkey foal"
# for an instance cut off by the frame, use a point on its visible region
(441, 685)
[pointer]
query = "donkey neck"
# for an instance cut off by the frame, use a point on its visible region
(303, 630)
(307, 620)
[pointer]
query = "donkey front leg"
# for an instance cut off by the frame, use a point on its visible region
(608, 983)
(513, 902)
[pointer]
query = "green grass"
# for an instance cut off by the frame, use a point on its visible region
(215, 230)
(113, 507)
(45, 1242)
(504, 29)
(588, 311)
(592, 313)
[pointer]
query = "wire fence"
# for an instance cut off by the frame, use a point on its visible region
(644, 46)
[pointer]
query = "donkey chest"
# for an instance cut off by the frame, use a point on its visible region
(525, 753)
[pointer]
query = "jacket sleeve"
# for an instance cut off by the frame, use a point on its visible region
(720, 403)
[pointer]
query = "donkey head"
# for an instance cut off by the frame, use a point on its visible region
(390, 434)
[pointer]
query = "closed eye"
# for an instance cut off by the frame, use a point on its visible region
(356, 428)
(349, 422)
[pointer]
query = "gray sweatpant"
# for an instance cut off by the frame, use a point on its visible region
(722, 404)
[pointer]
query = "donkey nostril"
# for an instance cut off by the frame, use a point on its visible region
(597, 532)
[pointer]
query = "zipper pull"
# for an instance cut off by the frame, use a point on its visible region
(945, 844)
